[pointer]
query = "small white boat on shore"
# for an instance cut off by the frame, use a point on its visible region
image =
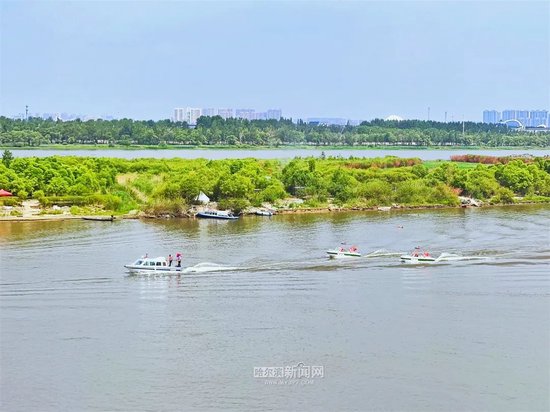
(264, 212)
(217, 214)
(153, 265)
(341, 253)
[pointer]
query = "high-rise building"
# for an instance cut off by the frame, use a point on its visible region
(225, 113)
(523, 117)
(528, 118)
(538, 118)
(247, 114)
(509, 115)
(191, 115)
(491, 116)
(179, 114)
(274, 114)
(210, 112)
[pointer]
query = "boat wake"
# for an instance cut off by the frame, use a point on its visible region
(449, 257)
(383, 253)
(207, 267)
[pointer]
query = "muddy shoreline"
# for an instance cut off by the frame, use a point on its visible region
(316, 210)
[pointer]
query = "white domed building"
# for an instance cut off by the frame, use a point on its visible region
(394, 118)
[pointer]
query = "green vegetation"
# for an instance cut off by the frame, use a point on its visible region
(217, 132)
(168, 187)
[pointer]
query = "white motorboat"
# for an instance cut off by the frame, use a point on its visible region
(418, 256)
(153, 265)
(343, 253)
(217, 214)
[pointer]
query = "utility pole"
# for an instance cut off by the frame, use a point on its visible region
(445, 117)
(26, 112)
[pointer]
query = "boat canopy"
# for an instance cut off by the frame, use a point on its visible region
(202, 198)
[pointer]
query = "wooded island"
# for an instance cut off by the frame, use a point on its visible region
(168, 187)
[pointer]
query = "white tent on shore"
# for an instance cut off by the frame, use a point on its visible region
(202, 198)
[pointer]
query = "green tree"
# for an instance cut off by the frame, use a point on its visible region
(7, 157)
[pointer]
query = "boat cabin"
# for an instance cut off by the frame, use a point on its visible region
(148, 262)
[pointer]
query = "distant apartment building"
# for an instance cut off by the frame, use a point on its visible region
(274, 114)
(209, 112)
(528, 118)
(179, 114)
(538, 118)
(190, 114)
(491, 116)
(247, 114)
(225, 113)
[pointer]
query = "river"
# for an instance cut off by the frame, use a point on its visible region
(216, 154)
(78, 333)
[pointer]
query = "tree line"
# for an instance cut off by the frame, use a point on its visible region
(36, 132)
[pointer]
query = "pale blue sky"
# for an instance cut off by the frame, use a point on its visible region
(357, 60)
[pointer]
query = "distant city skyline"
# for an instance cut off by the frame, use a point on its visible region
(527, 118)
(326, 59)
(191, 114)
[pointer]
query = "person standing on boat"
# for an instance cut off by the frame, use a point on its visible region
(178, 259)
(170, 259)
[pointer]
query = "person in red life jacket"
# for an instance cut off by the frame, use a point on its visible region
(178, 259)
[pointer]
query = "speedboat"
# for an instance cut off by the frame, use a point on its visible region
(343, 253)
(217, 214)
(152, 265)
(418, 256)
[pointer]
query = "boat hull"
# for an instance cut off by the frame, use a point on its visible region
(154, 269)
(99, 218)
(336, 254)
(417, 259)
(219, 217)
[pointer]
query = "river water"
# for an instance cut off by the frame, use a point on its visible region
(216, 154)
(78, 333)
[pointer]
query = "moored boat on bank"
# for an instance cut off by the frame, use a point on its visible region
(264, 212)
(217, 214)
(100, 218)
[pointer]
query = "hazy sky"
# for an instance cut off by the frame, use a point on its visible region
(352, 59)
